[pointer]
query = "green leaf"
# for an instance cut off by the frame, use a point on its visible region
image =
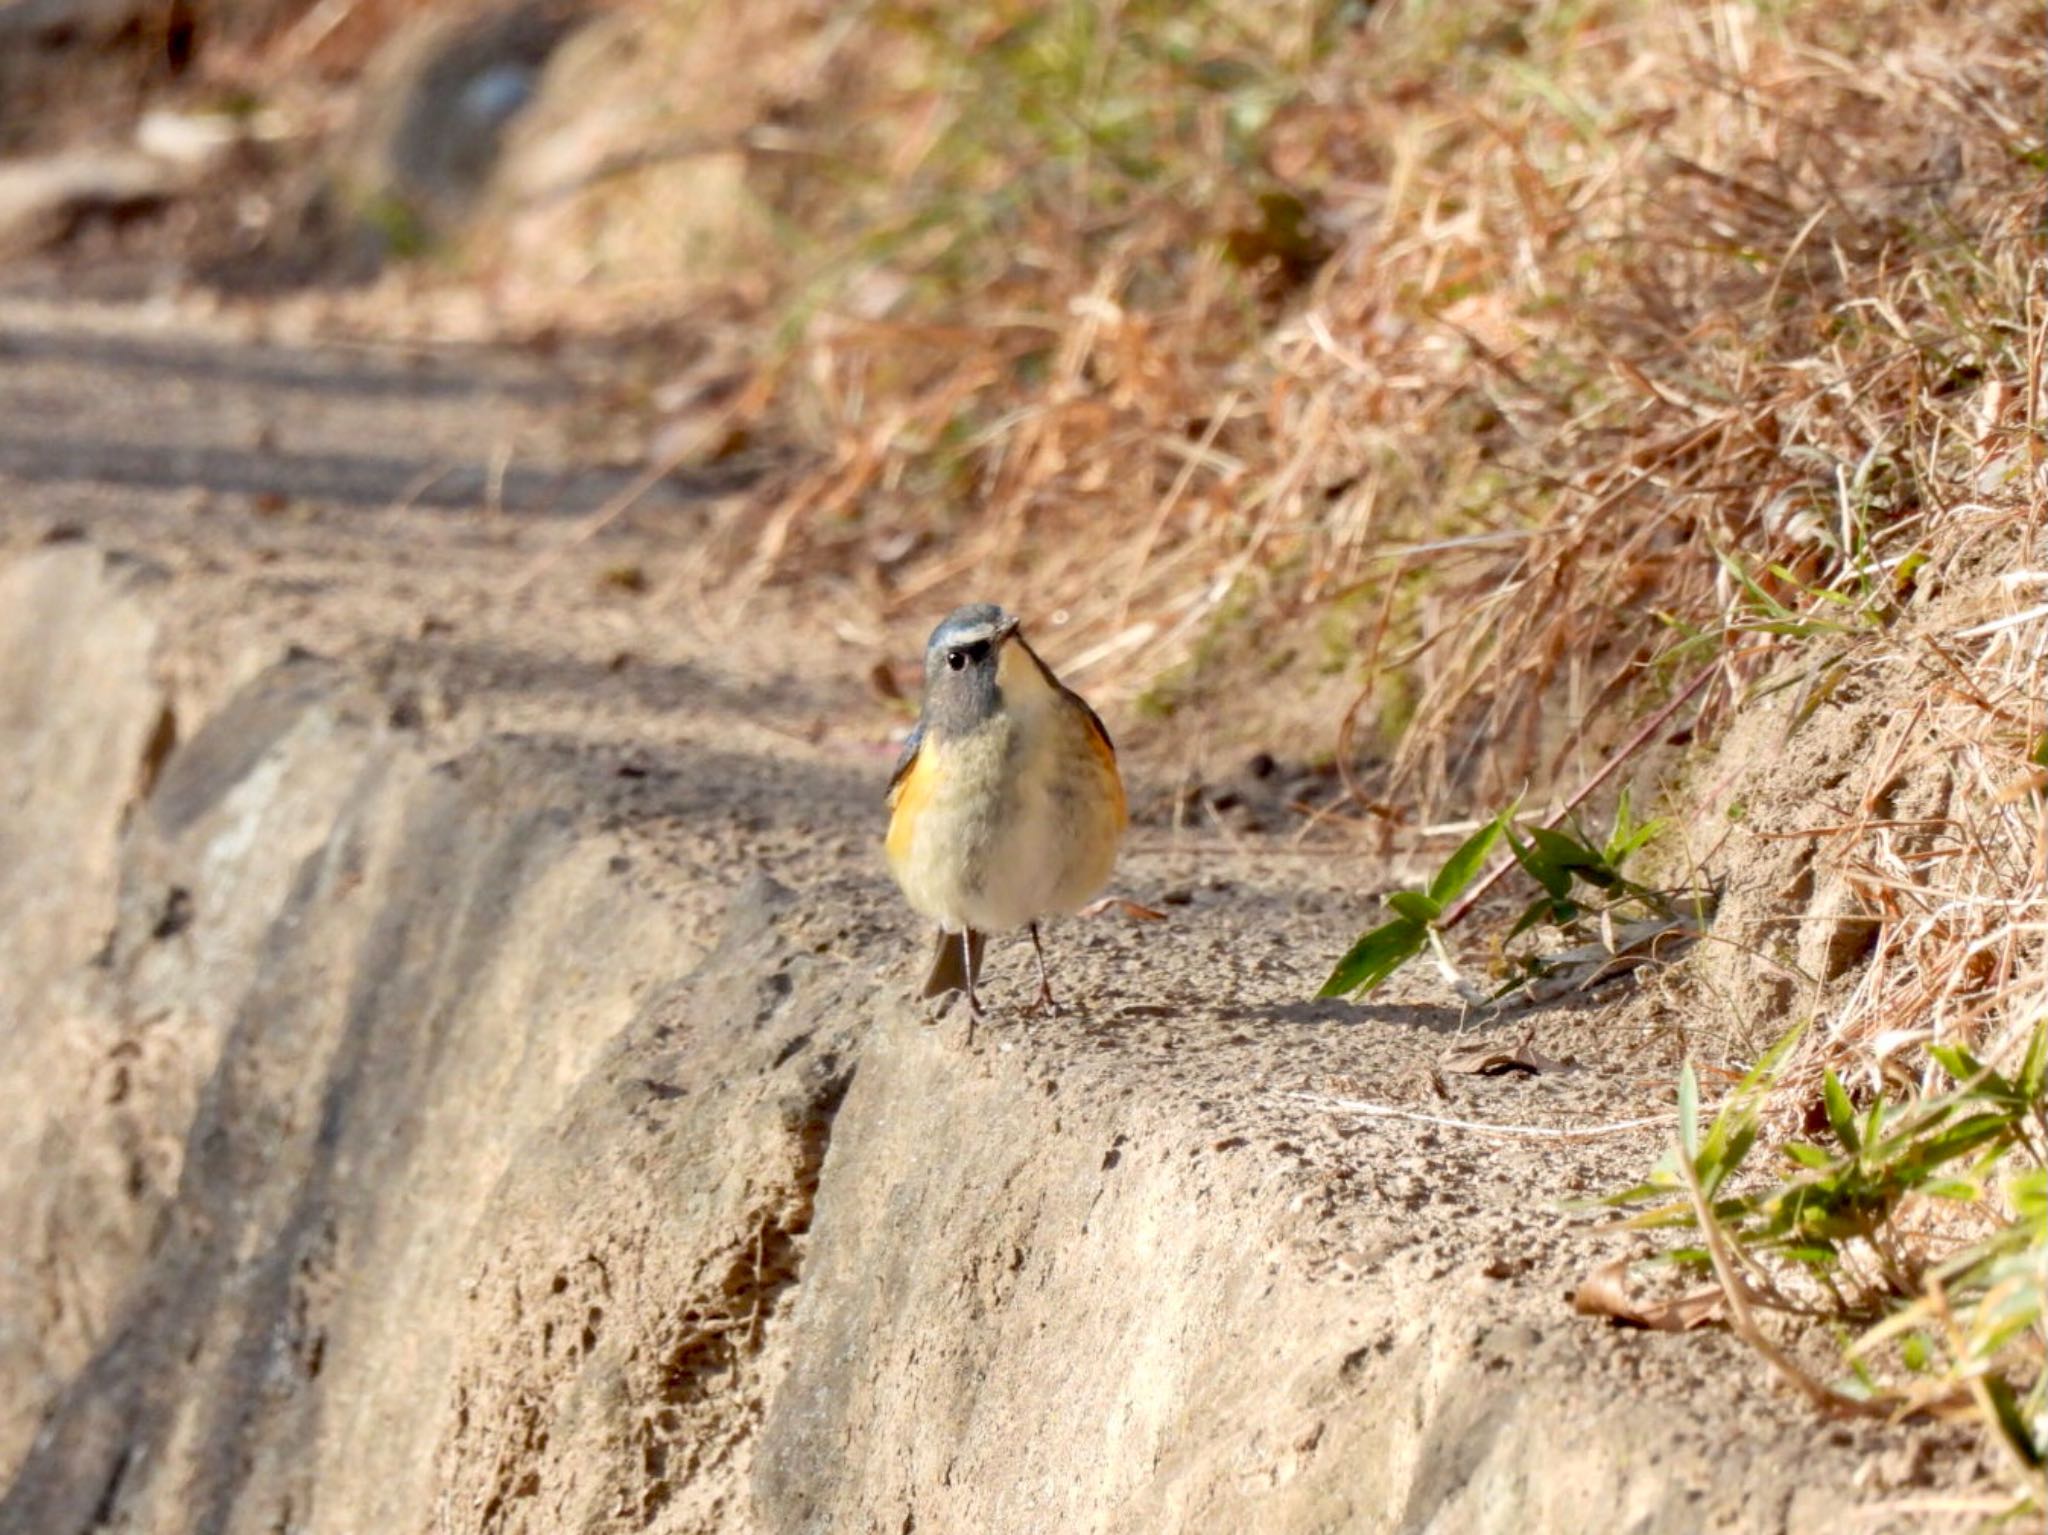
(1873, 1121)
(1807, 1155)
(2010, 1421)
(1542, 909)
(1765, 602)
(2033, 1078)
(1624, 816)
(1841, 1115)
(1728, 1140)
(1726, 1149)
(1416, 906)
(1766, 1067)
(1376, 955)
(1677, 1212)
(1627, 838)
(1818, 1255)
(2028, 1192)
(1462, 867)
(1689, 1112)
(1963, 1190)
(1566, 852)
(1619, 849)
(1556, 882)
(1957, 1062)
(1960, 1139)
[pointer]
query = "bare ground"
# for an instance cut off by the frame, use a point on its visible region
(465, 1079)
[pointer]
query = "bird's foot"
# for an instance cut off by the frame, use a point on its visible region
(943, 1004)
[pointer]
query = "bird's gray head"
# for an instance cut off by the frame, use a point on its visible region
(961, 661)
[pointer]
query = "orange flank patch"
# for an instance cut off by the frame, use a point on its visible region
(912, 792)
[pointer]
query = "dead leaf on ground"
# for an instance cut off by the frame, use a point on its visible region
(1499, 1060)
(1130, 909)
(1604, 1292)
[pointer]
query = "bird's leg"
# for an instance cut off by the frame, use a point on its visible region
(1045, 1001)
(967, 969)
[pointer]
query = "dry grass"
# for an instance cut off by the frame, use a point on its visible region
(1453, 360)
(1958, 894)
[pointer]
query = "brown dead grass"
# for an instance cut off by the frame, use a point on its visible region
(1614, 296)
(1937, 835)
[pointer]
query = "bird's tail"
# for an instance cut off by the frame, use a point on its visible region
(948, 971)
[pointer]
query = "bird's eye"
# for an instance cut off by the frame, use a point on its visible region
(957, 659)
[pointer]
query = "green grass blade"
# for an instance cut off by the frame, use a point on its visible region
(1462, 867)
(1841, 1114)
(1377, 955)
(1416, 906)
(2033, 1077)
(1556, 882)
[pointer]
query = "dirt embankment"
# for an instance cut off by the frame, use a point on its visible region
(439, 1104)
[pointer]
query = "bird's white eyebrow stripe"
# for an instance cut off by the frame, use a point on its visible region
(953, 637)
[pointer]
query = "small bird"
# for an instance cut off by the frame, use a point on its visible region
(1005, 807)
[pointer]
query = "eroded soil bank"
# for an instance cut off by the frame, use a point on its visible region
(460, 1077)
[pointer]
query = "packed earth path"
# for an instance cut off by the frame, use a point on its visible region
(462, 1073)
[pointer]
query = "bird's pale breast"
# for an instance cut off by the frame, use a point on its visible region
(1015, 820)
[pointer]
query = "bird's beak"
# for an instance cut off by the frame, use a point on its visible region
(1007, 629)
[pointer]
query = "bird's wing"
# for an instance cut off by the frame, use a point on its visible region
(1087, 709)
(1094, 720)
(905, 763)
